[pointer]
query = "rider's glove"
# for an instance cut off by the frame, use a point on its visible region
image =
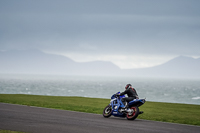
(117, 95)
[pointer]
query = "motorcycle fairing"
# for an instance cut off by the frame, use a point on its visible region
(136, 102)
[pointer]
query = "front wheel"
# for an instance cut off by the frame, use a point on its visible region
(107, 111)
(133, 114)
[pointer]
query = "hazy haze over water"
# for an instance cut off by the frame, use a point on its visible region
(160, 90)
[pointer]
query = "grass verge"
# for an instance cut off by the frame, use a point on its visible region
(166, 112)
(8, 131)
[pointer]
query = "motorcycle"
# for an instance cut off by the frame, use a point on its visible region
(117, 108)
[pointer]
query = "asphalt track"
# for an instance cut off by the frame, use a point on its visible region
(43, 120)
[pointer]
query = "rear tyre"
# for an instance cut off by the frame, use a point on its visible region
(107, 111)
(134, 114)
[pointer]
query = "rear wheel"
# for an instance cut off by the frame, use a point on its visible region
(107, 111)
(133, 114)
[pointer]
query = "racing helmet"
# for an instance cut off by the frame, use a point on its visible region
(128, 86)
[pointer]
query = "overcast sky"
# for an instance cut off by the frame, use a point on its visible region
(129, 33)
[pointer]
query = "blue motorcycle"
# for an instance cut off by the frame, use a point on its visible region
(117, 108)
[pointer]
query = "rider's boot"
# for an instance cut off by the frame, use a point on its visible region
(126, 106)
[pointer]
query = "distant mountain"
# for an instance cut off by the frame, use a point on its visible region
(37, 62)
(179, 67)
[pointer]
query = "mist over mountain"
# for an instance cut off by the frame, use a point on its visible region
(179, 67)
(37, 62)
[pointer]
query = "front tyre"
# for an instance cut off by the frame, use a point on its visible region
(107, 111)
(133, 114)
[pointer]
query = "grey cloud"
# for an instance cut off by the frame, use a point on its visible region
(128, 27)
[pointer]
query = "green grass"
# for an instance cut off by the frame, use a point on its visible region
(8, 131)
(166, 112)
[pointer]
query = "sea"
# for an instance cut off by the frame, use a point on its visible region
(185, 91)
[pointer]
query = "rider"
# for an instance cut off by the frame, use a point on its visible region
(132, 94)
